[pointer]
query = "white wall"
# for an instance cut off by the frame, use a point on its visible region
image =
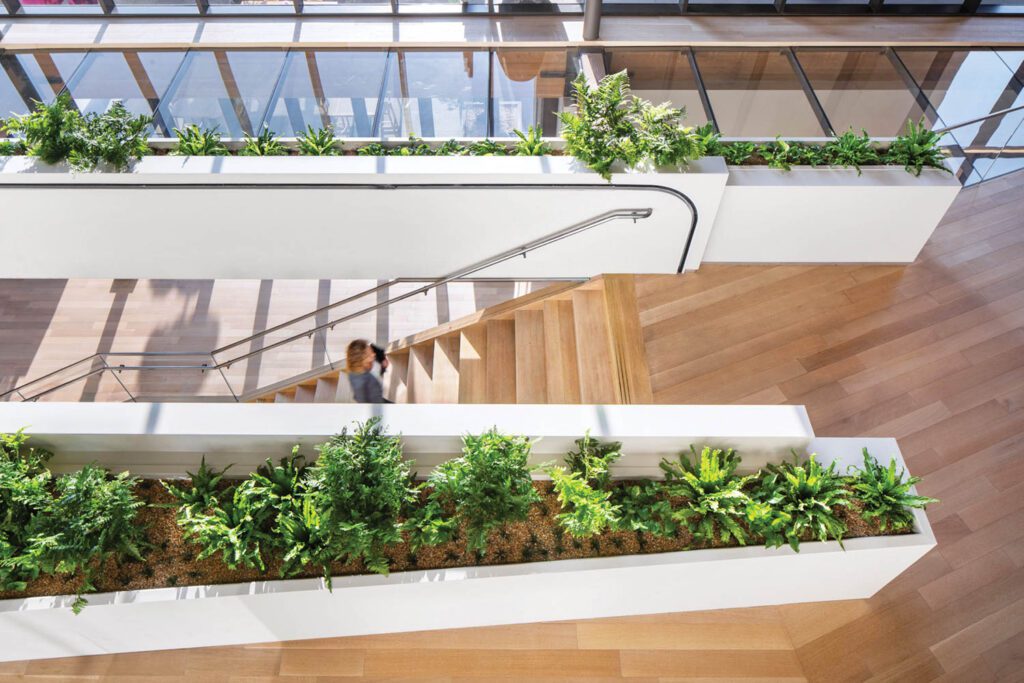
(823, 215)
(475, 596)
(166, 439)
(108, 225)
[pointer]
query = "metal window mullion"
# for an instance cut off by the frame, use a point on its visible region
(591, 19)
(379, 113)
(970, 6)
(172, 88)
(20, 80)
(203, 6)
(930, 112)
(107, 6)
(275, 94)
(299, 6)
(13, 6)
(490, 93)
(780, 6)
(876, 5)
(142, 80)
(812, 98)
(701, 90)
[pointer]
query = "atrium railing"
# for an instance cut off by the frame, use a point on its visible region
(183, 375)
(999, 148)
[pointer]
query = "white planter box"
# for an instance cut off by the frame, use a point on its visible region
(475, 596)
(345, 217)
(828, 215)
(167, 439)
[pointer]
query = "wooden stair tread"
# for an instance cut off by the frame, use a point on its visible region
(593, 348)
(395, 388)
(419, 381)
(501, 361)
(531, 378)
(446, 370)
(504, 310)
(326, 389)
(628, 351)
(563, 379)
(473, 364)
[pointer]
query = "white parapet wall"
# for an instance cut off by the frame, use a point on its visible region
(828, 215)
(197, 616)
(167, 439)
(347, 217)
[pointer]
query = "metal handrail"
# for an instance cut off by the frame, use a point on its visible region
(986, 117)
(522, 250)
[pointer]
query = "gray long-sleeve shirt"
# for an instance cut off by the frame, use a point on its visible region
(366, 387)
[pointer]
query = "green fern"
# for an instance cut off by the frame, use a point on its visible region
(795, 500)
(886, 494)
(200, 142)
(715, 500)
(917, 148)
(265, 144)
(531, 143)
(318, 143)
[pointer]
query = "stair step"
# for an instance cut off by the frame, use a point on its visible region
(501, 361)
(283, 396)
(531, 378)
(446, 370)
(304, 393)
(420, 377)
(344, 389)
(326, 389)
(628, 352)
(563, 375)
(398, 369)
(593, 348)
(472, 364)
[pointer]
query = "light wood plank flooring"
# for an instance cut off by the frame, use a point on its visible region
(932, 353)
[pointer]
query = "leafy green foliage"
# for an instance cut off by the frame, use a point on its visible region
(361, 483)
(204, 492)
(199, 142)
(304, 536)
(452, 148)
(24, 491)
(51, 131)
(851, 150)
(593, 460)
(487, 148)
(236, 526)
(488, 486)
(91, 518)
(428, 524)
(374, 149)
(736, 153)
(531, 143)
(265, 144)
(587, 511)
(715, 499)
(795, 501)
(886, 494)
(116, 137)
(779, 154)
(9, 148)
(318, 143)
(644, 507)
(610, 125)
(917, 148)
(415, 148)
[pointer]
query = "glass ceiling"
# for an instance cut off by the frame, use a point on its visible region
(417, 7)
(745, 93)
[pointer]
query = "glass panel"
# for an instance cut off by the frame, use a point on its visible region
(141, 6)
(339, 88)
(435, 94)
(226, 3)
(661, 76)
(11, 100)
(48, 72)
(530, 88)
(74, 6)
(756, 94)
(965, 84)
(226, 90)
(136, 79)
(860, 89)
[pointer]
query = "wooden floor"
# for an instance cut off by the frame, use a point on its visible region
(932, 353)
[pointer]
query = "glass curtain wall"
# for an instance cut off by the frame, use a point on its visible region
(745, 93)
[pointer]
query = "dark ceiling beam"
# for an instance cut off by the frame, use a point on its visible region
(812, 97)
(20, 80)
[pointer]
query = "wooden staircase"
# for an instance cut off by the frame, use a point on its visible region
(567, 343)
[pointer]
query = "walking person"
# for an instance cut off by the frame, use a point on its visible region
(359, 359)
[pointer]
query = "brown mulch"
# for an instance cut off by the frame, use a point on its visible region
(171, 561)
